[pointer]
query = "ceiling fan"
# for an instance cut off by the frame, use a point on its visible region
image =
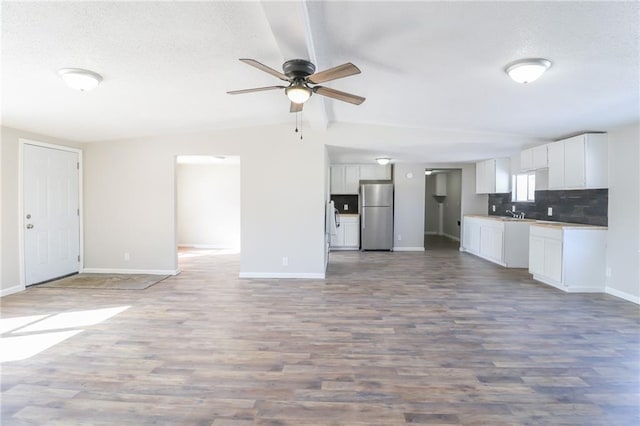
(301, 74)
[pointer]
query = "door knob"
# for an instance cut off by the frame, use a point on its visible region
(29, 226)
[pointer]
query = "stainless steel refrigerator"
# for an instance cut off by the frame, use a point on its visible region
(376, 216)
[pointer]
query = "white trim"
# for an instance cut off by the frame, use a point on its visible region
(342, 248)
(11, 290)
(623, 295)
(408, 249)
(131, 271)
(208, 246)
(21, 143)
(431, 233)
(303, 275)
(451, 237)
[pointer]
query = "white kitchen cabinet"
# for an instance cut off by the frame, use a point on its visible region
(375, 172)
(579, 162)
(500, 240)
(492, 176)
(345, 179)
(569, 257)
(348, 233)
(533, 158)
(441, 184)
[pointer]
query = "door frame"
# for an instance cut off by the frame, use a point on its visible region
(21, 221)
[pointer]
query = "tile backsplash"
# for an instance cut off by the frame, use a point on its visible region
(588, 206)
(348, 201)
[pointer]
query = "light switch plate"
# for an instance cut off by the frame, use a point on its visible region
(549, 211)
(493, 208)
(346, 207)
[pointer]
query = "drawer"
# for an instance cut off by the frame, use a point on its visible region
(545, 232)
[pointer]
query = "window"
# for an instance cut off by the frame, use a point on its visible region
(523, 187)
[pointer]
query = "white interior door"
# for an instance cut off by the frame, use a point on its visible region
(51, 213)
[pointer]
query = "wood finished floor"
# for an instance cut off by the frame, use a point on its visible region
(439, 337)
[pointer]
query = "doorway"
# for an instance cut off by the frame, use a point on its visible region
(50, 217)
(443, 194)
(207, 208)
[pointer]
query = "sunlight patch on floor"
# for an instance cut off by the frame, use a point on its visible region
(36, 333)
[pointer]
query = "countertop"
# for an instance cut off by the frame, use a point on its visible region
(349, 214)
(545, 223)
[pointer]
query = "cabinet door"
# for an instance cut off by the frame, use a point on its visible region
(536, 255)
(574, 160)
(553, 259)
(556, 165)
(337, 179)
(471, 235)
(441, 184)
(375, 172)
(539, 157)
(485, 177)
(351, 234)
(491, 242)
(351, 179)
(526, 160)
(480, 173)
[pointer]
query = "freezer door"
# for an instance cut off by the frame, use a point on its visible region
(377, 228)
(377, 194)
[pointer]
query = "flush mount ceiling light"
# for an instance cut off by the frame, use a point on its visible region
(527, 70)
(79, 79)
(383, 161)
(298, 92)
(428, 172)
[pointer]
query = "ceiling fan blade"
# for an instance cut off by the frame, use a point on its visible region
(341, 96)
(341, 71)
(257, 89)
(263, 67)
(295, 107)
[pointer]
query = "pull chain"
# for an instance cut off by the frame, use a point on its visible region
(299, 115)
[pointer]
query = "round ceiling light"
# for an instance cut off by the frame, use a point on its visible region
(298, 93)
(79, 79)
(383, 161)
(527, 70)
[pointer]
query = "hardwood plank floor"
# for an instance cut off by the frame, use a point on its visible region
(439, 337)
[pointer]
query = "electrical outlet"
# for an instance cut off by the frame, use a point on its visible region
(399, 237)
(513, 208)
(127, 257)
(608, 272)
(346, 207)
(549, 211)
(285, 261)
(493, 208)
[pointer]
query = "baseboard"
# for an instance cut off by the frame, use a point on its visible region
(408, 249)
(431, 233)
(286, 275)
(344, 248)
(11, 290)
(131, 271)
(623, 295)
(451, 237)
(208, 246)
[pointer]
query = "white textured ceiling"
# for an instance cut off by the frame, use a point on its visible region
(433, 70)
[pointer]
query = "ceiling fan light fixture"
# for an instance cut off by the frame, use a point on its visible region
(298, 93)
(527, 70)
(79, 79)
(383, 161)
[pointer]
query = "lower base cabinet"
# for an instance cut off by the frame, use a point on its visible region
(500, 241)
(569, 258)
(348, 235)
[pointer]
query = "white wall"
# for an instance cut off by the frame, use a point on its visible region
(208, 205)
(432, 207)
(130, 200)
(10, 222)
(623, 236)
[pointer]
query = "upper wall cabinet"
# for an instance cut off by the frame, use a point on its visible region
(375, 172)
(492, 176)
(345, 178)
(579, 162)
(534, 158)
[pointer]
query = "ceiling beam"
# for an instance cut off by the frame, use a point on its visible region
(291, 27)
